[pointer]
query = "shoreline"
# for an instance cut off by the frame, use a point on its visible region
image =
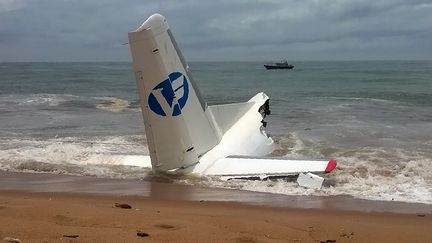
(153, 190)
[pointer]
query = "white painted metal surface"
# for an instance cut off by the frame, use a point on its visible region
(249, 167)
(310, 180)
(177, 127)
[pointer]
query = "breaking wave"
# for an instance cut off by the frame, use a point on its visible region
(77, 156)
(368, 173)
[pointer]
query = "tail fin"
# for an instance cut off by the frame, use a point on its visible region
(176, 119)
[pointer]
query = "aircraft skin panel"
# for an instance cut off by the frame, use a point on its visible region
(246, 137)
(247, 167)
(177, 127)
(228, 114)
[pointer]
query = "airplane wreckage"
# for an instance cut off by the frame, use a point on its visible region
(185, 135)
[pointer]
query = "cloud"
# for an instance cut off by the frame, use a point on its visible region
(68, 30)
(10, 5)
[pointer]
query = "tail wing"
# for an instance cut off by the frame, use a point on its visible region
(176, 119)
(183, 131)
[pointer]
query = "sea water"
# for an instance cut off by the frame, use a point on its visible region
(373, 117)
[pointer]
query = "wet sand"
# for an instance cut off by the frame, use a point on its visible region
(48, 208)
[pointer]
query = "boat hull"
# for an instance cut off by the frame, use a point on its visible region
(271, 67)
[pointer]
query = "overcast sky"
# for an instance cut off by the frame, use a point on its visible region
(219, 30)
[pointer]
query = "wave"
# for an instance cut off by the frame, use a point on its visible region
(34, 99)
(376, 100)
(64, 101)
(366, 172)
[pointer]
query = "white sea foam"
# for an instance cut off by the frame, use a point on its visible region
(369, 173)
(108, 157)
(42, 99)
(361, 99)
(33, 100)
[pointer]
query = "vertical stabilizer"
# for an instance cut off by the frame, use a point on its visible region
(177, 124)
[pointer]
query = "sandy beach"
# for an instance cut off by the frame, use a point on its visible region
(199, 121)
(45, 213)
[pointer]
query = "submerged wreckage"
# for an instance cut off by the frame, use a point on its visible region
(185, 135)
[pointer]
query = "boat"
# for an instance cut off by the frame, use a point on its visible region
(279, 65)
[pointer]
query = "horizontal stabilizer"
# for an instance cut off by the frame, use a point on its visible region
(227, 115)
(244, 167)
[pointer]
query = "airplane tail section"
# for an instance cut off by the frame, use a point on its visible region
(185, 135)
(178, 126)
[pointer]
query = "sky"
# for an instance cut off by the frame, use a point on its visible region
(222, 30)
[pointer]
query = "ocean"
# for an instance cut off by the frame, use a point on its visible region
(373, 117)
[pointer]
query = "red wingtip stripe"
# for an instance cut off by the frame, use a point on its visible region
(330, 166)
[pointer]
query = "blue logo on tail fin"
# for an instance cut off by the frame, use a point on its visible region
(173, 93)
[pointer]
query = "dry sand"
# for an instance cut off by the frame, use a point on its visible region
(52, 216)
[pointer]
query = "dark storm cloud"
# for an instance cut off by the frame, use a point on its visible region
(45, 30)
